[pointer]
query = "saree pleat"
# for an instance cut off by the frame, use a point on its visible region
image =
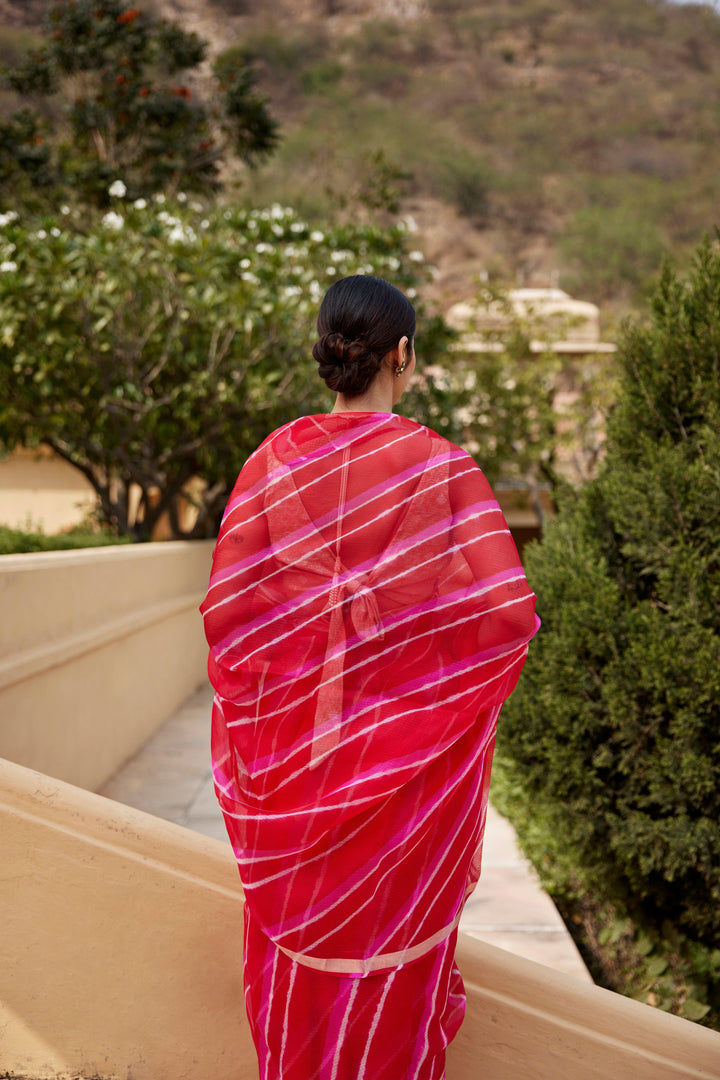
(367, 616)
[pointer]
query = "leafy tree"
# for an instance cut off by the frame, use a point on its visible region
(163, 345)
(612, 736)
(131, 105)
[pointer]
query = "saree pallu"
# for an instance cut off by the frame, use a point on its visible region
(367, 616)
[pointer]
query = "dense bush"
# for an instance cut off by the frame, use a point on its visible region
(613, 735)
(21, 541)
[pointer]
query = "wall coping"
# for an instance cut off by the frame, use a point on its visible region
(39, 560)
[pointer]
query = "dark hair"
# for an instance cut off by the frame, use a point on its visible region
(361, 319)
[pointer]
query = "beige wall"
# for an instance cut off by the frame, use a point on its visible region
(97, 647)
(40, 490)
(121, 956)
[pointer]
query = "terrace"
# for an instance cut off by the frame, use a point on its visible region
(123, 931)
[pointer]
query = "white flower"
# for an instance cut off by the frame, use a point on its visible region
(394, 263)
(205, 223)
(416, 256)
(159, 197)
(340, 256)
(317, 237)
(111, 220)
(297, 227)
(263, 249)
(410, 223)
(8, 267)
(247, 276)
(276, 211)
(6, 219)
(244, 264)
(292, 290)
(140, 204)
(470, 380)
(54, 231)
(411, 294)
(179, 234)
(181, 196)
(41, 234)
(117, 190)
(331, 271)
(278, 230)
(65, 210)
(315, 291)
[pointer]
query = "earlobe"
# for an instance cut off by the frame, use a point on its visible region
(402, 356)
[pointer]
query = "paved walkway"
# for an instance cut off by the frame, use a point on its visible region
(171, 778)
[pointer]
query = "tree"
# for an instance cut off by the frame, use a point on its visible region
(165, 342)
(159, 343)
(612, 736)
(131, 107)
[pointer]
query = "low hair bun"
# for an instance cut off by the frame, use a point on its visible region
(361, 319)
(332, 346)
(347, 367)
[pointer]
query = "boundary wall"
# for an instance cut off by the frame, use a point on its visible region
(121, 957)
(97, 648)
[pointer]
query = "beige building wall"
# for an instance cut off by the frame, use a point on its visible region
(97, 648)
(121, 956)
(38, 490)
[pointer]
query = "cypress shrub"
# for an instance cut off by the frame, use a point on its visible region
(612, 738)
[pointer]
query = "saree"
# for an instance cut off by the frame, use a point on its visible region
(367, 616)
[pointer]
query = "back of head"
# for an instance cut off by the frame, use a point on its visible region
(361, 320)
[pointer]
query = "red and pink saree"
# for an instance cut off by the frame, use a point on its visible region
(367, 616)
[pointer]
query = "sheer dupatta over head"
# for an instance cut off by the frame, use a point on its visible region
(367, 616)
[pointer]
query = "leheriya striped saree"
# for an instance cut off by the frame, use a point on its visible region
(367, 616)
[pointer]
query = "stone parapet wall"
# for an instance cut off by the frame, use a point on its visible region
(97, 648)
(121, 955)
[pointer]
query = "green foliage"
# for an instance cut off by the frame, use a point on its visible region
(610, 248)
(614, 727)
(160, 343)
(559, 143)
(122, 78)
(163, 343)
(661, 967)
(466, 182)
(19, 541)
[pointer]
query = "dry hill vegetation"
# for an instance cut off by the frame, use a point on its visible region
(541, 141)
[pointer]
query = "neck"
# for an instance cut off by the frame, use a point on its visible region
(378, 398)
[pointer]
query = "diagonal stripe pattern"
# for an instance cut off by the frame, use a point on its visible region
(367, 616)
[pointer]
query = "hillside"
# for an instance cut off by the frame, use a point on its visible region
(539, 141)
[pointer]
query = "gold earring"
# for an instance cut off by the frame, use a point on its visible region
(399, 370)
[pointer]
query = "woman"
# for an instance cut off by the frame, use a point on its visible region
(367, 616)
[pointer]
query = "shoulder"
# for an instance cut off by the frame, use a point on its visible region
(461, 461)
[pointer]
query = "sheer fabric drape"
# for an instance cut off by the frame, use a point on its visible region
(367, 616)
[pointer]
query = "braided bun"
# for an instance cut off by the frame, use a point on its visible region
(347, 367)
